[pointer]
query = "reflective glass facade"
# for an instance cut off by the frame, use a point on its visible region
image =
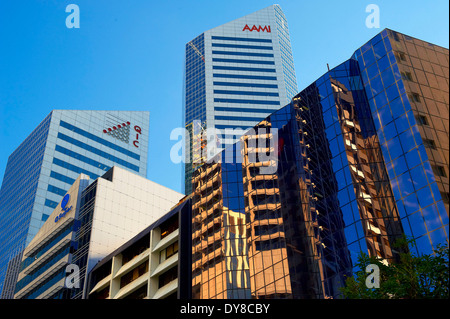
(195, 95)
(370, 220)
(17, 198)
(353, 172)
(220, 266)
(259, 235)
(41, 170)
(406, 81)
(235, 75)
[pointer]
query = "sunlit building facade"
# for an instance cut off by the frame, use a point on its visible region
(359, 160)
(219, 244)
(44, 266)
(236, 74)
(406, 81)
(154, 264)
(92, 220)
(114, 209)
(44, 166)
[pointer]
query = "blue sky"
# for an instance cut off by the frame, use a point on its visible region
(129, 55)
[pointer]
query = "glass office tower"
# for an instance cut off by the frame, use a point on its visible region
(406, 81)
(361, 160)
(40, 171)
(235, 75)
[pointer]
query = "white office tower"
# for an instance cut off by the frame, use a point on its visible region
(235, 75)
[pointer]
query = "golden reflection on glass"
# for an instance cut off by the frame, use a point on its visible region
(377, 209)
(236, 250)
(207, 258)
(219, 247)
(313, 275)
(269, 270)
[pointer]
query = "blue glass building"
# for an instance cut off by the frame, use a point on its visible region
(406, 84)
(41, 170)
(361, 160)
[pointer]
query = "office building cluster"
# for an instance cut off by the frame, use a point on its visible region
(297, 185)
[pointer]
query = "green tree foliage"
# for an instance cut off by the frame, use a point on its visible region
(412, 277)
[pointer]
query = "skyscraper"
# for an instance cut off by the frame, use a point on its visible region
(235, 75)
(407, 85)
(40, 171)
(361, 160)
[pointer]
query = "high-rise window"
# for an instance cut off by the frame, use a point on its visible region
(64, 145)
(429, 143)
(439, 170)
(421, 119)
(134, 274)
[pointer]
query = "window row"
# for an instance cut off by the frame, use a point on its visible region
(99, 140)
(94, 150)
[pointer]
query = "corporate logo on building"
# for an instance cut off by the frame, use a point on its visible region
(138, 131)
(259, 28)
(119, 131)
(122, 131)
(64, 207)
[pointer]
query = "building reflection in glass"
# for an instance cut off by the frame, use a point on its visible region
(219, 246)
(322, 218)
(374, 197)
(258, 235)
(269, 270)
(292, 225)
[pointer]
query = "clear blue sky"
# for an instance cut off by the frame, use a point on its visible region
(129, 54)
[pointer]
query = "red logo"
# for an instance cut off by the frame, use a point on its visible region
(122, 132)
(138, 132)
(119, 126)
(266, 28)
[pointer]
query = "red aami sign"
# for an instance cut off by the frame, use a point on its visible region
(257, 28)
